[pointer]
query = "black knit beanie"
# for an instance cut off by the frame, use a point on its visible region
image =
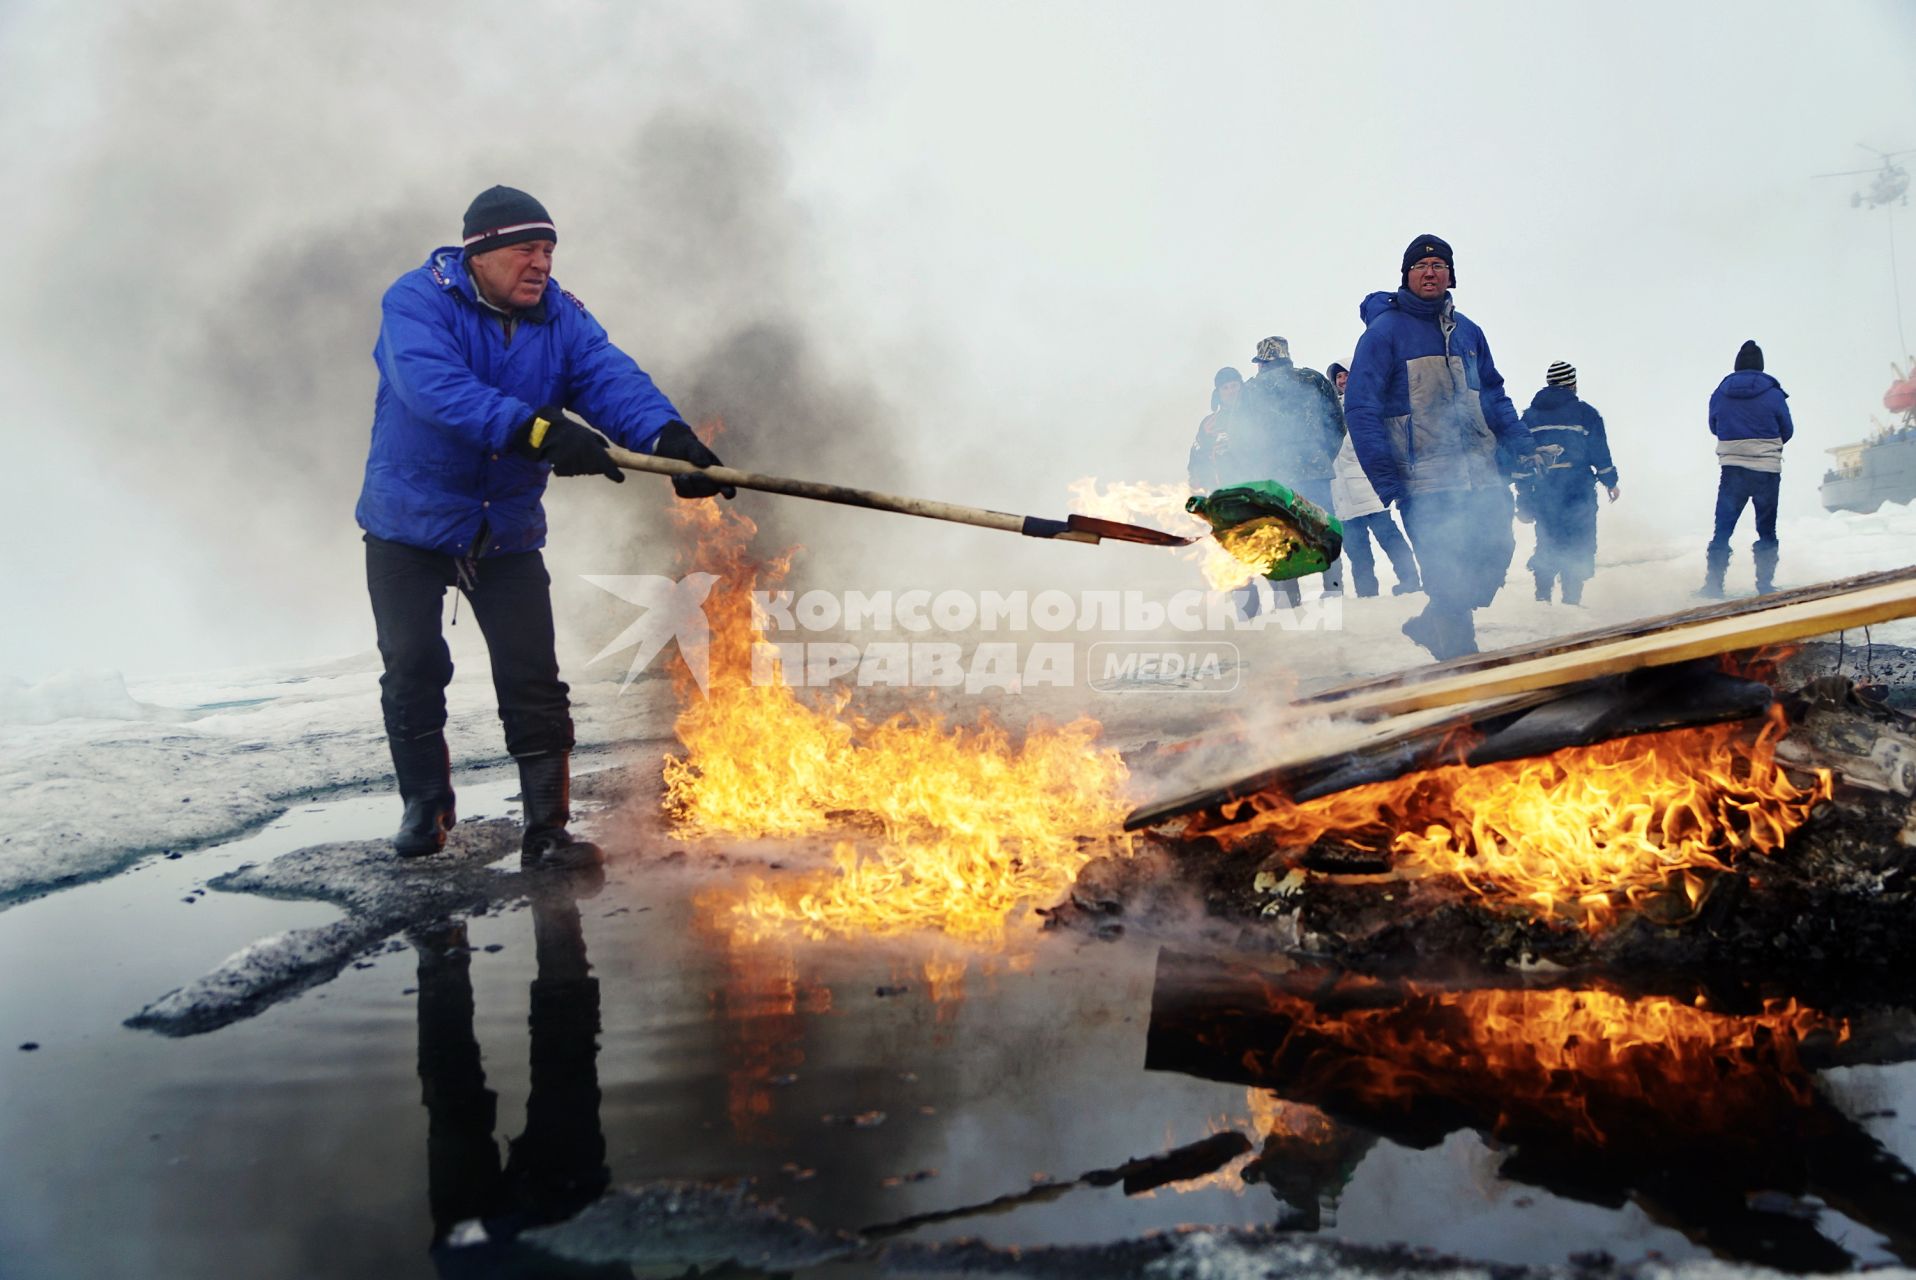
(1749, 356)
(1224, 378)
(1427, 247)
(499, 216)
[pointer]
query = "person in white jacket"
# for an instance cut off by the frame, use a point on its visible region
(1365, 516)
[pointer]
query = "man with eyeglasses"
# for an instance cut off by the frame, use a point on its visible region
(1437, 436)
(482, 360)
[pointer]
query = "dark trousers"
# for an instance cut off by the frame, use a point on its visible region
(511, 600)
(557, 1165)
(1566, 542)
(1358, 531)
(1736, 486)
(1464, 545)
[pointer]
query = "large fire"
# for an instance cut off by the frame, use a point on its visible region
(966, 822)
(1582, 831)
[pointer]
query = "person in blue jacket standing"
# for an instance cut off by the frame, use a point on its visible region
(1750, 418)
(1572, 455)
(482, 359)
(1437, 436)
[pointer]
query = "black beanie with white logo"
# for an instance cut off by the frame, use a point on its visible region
(499, 216)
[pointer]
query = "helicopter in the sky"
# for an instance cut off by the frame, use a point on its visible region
(1891, 181)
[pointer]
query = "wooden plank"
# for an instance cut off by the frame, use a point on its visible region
(1527, 724)
(1884, 602)
(1340, 741)
(1491, 684)
(1744, 607)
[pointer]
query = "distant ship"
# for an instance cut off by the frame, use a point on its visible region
(1882, 468)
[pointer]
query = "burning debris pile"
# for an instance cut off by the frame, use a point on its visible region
(1658, 821)
(1728, 850)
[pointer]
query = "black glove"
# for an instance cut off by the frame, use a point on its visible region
(677, 441)
(572, 448)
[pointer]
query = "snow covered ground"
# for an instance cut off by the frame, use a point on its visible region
(96, 773)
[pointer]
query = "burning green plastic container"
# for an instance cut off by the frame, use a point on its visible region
(1270, 527)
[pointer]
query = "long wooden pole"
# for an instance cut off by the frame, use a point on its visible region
(1072, 529)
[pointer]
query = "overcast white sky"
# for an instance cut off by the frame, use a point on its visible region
(1005, 246)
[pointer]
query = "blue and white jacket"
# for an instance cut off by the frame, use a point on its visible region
(1750, 419)
(457, 379)
(1570, 445)
(1425, 404)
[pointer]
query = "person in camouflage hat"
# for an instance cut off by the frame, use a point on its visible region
(1288, 427)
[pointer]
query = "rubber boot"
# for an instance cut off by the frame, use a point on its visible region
(1422, 630)
(1765, 568)
(1460, 633)
(1716, 564)
(545, 785)
(424, 770)
(1544, 582)
(1573, 590)
(1443, 633)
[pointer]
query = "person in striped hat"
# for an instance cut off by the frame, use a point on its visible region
(483, 360)
(1572, 457)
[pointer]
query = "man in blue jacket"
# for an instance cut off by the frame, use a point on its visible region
(1750, 418)
(1572, 455)
(1438, 437)
(480, 356)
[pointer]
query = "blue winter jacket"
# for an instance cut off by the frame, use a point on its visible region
(455, 386)
(1425, 404)
(1750, 405)
(1569, 444)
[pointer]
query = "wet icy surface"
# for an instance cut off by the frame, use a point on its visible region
(834, 1088)
(356, 1086)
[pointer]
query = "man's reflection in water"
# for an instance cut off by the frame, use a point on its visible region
(557, 1166)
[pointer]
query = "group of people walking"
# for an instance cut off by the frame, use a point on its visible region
(1420, 421)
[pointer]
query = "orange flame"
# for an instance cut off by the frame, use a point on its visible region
(1589, 1057)
(759, 1006)
(1275, 1117)
(968, 822)
(1583, 830)
(1162, 506)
